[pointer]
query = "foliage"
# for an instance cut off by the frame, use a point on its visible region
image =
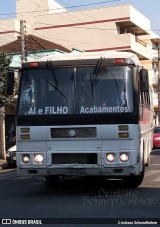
(5, 100)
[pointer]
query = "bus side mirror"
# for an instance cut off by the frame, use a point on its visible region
(144, 80)
(10, 83)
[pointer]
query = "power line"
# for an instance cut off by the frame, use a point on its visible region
(69, 7)
(93, 28)
(90, 4)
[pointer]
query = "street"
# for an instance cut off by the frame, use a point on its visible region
(23, 197)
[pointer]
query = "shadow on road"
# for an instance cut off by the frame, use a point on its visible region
(155, 152)
(87, 185)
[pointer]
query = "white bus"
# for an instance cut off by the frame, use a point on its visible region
(84, 114)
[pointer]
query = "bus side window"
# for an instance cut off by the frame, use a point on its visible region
(144, 87)
(144, 80)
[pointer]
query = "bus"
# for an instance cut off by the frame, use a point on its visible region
(84, 114)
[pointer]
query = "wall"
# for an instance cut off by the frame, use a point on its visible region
(9, 30)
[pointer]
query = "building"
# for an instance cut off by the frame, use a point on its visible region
(108, 28)
(118, 28)
(115, 28)
(36, 48)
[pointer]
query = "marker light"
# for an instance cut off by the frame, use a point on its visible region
(123, 127)
(119, 60)
(124, 157)
(26, 158)
(25, 136)
(123, 135)
(25, 130)
(110, 157)
(33, 64)
(38, 158)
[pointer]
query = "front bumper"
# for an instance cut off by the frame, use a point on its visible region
(70, 171)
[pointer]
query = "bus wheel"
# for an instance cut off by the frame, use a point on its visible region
(50, 181)
(135, 181)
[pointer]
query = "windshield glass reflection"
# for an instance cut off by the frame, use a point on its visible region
(76, 91)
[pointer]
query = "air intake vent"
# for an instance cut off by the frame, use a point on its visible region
(73, 132)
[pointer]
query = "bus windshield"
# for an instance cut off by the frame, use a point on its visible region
(76, 90)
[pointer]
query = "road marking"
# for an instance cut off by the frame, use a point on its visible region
(6, 170)
(157, 179)
(7, 175)
(20, 178)
(151, 172)
(154, 165)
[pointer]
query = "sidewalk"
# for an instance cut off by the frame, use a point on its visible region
(3, 164)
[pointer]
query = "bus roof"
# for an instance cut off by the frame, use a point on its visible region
(90, 55)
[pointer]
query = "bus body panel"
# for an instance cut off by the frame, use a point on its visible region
(93, 149)
(84, 114)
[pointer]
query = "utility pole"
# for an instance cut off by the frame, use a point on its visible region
(22, 32)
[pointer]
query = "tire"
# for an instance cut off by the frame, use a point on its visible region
(135, 181)
(51, 181)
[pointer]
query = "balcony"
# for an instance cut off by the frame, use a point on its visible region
(136, 45)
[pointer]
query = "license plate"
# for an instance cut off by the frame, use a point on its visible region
(75, 172)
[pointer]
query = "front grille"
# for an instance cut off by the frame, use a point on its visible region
(87, 132)
(74, 158)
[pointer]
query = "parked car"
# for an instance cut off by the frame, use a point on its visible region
(156, 137)
(11, 156)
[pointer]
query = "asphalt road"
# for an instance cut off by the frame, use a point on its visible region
(80, 198)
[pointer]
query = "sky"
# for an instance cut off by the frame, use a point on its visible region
(149, 8)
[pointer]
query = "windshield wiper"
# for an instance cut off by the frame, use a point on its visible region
(57, 89)
(94, 79)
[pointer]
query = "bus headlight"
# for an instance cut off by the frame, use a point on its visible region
(124, 157)
(38, 158)
(26, 158)
(110, 157)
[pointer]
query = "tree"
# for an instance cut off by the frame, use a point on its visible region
(5, 100)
